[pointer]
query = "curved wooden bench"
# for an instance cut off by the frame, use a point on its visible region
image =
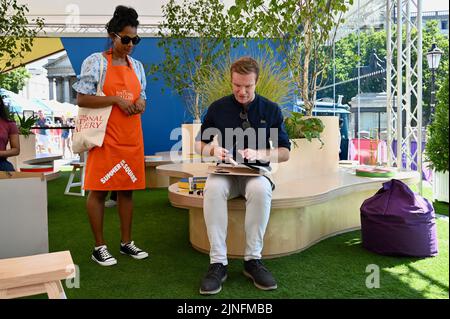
(304, 211)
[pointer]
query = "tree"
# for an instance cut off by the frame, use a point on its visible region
(437, 147)
(432, 34)
(14, 80)
(194, 36)
(16, 36)
(302, 31)
(346, 62)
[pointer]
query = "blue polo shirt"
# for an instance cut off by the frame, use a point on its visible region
(42, 123)
(262, 114)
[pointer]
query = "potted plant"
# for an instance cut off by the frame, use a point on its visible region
(314, 147)
(27, 139)
(437, 147)
(297, 126)
(24, 124)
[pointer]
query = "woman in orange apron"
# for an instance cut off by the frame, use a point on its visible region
(119, 164)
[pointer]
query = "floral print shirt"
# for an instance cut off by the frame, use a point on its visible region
(90, 74)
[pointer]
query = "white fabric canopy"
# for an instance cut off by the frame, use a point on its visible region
(51, 108)
(19, 104)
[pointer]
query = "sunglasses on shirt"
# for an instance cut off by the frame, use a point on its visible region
(246, 124)
(126, 39)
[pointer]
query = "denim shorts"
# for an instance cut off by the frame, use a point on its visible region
(6, 166)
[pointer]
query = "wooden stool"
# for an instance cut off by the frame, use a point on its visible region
(33, 275)
(76, 166)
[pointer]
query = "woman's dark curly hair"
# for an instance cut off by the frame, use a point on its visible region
(123, 17)
(3, 110)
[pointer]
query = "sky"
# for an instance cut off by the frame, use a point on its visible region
(434, 5)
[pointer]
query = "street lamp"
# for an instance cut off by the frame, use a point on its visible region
(433, 58)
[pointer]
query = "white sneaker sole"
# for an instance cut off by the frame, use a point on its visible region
(141, 256)
(211, 292)
(258, 285)
(110, 262)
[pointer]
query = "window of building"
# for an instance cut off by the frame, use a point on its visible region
(444, 24)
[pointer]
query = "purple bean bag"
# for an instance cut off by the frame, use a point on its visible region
(396, 221)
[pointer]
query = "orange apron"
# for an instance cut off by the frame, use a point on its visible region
(119, 163)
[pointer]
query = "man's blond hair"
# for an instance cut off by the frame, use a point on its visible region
(245, 65)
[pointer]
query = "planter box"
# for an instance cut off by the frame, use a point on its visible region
(440, 186)
(308, 159)
(23, 214)
(27, 151)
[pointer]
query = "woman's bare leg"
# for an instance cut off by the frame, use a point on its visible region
(95, 208)
(125, 207)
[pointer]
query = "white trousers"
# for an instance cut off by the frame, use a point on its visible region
(258, 194)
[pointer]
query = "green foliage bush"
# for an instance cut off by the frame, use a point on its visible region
(436, 150)
(273, 83)
(25, 124)
(299, 127)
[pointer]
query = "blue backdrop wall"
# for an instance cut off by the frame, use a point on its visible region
(165, 110)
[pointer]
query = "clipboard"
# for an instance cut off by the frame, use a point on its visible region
(240, 169)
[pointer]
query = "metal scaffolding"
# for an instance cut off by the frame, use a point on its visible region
(404, 84)
(56, 30)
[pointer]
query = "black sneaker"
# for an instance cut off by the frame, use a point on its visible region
(261, 276)
(212, 282)
(131, 250)
(103, 257)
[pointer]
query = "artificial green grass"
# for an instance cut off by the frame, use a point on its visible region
(333, 268)
(441, 208)
(427, 192)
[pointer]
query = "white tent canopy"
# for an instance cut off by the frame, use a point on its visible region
(19, 104)
(52, 108)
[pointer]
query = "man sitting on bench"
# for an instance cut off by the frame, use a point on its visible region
(239, 120)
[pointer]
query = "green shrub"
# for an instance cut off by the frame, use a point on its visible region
(25, 124)
(273, 82)
(299, 127)
(436, 150)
